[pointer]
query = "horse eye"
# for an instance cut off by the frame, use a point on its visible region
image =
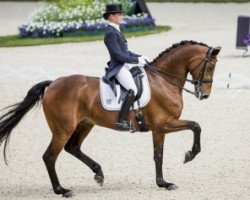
(210, 68)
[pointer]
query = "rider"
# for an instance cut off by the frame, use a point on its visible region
(121, 60)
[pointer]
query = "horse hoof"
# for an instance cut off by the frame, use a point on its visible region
(172, 187)
(188, 157)
(99, 179)
(68, 194)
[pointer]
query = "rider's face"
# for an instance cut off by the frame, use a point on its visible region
(116, 18)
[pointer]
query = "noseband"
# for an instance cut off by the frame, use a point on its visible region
(197, 83)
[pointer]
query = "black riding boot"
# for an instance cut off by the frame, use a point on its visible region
(122, 118)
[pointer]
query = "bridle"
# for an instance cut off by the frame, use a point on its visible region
(197, 83)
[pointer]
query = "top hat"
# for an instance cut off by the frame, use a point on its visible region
(111, 9)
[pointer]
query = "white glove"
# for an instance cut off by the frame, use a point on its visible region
(142, 61)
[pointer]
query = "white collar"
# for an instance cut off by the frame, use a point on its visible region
(116, 26)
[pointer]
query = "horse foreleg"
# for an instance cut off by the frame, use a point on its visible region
(73, 147)
(190, 155)
(158, 142)
(179, 125)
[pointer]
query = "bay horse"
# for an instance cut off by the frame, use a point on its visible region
(72, 107)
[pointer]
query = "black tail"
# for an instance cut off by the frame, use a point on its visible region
(9, 120)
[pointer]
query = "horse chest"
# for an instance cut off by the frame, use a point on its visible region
(173, 107)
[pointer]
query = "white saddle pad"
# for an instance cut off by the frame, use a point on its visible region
(110, 101)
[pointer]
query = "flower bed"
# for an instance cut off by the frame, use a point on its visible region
(88, 27)
(54, 21)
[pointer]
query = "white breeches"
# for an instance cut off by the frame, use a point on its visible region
(125, 78)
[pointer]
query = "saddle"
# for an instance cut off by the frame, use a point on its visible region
(111, 98)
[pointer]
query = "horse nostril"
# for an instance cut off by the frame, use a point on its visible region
(205, 96)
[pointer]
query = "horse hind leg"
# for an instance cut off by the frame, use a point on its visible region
(57, 143)
(73, 147)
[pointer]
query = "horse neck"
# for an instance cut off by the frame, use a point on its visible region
(176, 65)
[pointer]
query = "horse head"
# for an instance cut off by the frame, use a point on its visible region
(199, 59)
(202, 71)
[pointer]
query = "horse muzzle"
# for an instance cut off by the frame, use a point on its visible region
(200, 93)
(204, 96)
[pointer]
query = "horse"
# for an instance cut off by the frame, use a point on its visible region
(72, 107)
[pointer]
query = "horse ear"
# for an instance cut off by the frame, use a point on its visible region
(216, 51)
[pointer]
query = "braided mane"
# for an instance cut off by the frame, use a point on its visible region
(184, 42)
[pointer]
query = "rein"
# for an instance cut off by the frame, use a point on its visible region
(198, 83)
(162, 73)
